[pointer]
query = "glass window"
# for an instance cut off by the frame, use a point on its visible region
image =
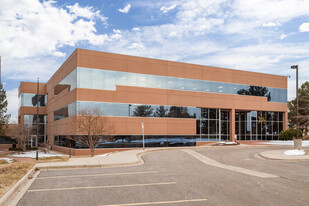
(97, 79)
(206, 86)
(84, 78)
(224, 127)
(280, 126)
(122, 110)
(109, 80)
(171, 83)
(213, 127)
(90, 78)
(220, 87)
(212, 114)
(72, 109)
(193, 85)
(253, 115)
(121, 78)
(254, 128)
(237, 116)
(142, 80)
(248, 114)
(152, 81)
(30, 100)
(280, 116)
(275, 116)
(224, 115)
(61, 113)
(109, 109)
(275, 126)
(132, 79)
(204, 126)
(162, 82)
(180, 84)
(190, 84)
(204, 113)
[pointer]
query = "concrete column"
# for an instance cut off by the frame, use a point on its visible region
(285, 121)
(232, 124)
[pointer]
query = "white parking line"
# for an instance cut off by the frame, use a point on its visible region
(157, 203)
(212, 162)
(94, 175)
(102, 187)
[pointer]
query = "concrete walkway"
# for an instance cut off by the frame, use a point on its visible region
(125, 158)
(279, 155)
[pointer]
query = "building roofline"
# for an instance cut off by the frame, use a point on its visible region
(186, 63)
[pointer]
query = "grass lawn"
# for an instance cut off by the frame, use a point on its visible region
(53, 159)
(11, 173)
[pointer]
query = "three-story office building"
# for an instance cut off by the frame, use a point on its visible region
(179, 103)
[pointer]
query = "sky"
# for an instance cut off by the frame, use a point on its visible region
(265, 36)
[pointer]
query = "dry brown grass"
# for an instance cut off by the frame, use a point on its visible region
(306, 137)
(3, 162)
(53, 159)
(11, 173)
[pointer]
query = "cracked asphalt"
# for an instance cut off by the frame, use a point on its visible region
(177, 178)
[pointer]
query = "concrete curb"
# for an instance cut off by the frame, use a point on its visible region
(268, 155)
(18, 186)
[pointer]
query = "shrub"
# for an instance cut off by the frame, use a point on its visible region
(289, 134)
(19, 149)
(15, 149)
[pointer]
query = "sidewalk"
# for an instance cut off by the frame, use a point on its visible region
(279, 155)
(124, 158)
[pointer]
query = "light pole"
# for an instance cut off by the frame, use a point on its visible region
(37, 113)
(143, 136)
(129, 109)
(0, 70)
(297, 142)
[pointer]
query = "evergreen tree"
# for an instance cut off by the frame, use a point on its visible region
(4, 117)
(143, 111)
(303, 109)
(161, 112)
(179, 112)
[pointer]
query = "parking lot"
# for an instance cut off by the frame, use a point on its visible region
(212, 176)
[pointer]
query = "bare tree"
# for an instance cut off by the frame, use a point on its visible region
(22, 133)
(93, 126)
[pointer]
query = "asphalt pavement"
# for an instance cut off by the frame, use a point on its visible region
(201, 176)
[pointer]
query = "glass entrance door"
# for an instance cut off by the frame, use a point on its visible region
(213, 125)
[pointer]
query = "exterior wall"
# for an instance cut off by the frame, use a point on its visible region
(124, 94)
(5, 146)
(30, 88)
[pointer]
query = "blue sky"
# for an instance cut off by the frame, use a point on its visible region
(258, 35)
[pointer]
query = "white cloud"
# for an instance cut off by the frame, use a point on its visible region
(281, 11)
(138, 46)
(86, 12)
(135, 29)
(283, 36)
(126, 9)
(117, 31)
(271, 24)
(167, 9)
(304, 27)
(31, 28)
(28, 69)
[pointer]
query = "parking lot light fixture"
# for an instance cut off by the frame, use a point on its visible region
(297, 141)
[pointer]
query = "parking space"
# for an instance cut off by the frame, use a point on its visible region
(169, 178)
